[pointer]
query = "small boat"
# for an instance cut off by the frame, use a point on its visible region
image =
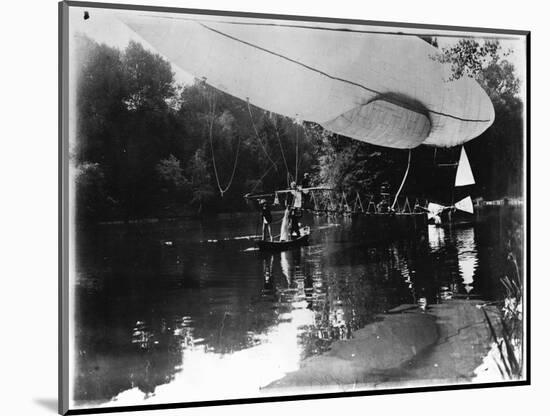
(284, 245)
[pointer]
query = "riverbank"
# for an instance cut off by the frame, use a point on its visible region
(444, 344)
(184, 212)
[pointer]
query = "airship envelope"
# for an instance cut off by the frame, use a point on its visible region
(384, 89)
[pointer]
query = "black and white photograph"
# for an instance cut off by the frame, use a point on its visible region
(262, 206)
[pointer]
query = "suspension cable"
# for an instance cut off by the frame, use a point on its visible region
(212, 110)
(282, 150)
(296, 177)
(262, 177)
(257, 134)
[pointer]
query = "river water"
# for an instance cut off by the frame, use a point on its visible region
(189, 310)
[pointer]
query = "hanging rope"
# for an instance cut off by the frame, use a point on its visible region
(262, 177)
(258, 135)
(282, 151)
(407, 206)
(371, 204)
(315, 204)
(403, 181)
(398, 207)
(296, 176)
(212, 110)
(344, 202)
(360, 204)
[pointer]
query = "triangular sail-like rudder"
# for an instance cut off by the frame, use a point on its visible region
(464, 175)
(465, 205)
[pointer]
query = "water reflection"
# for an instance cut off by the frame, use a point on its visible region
(177, 322)
(462, 240)
(467, 257)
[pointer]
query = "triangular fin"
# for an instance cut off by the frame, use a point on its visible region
(465, 205)
(464, 175)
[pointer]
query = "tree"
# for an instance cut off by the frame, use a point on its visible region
(100, 93)
(149, 79)
(170, 174)
(497, 156)
(468, 57)
(92, 200)
(125, 123)
(350, 166)
(203, 191)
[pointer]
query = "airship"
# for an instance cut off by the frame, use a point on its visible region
(381, 88)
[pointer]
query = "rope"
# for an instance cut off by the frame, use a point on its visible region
(296, 177)
(257, 135)
(358, 198)
(262, 177)
(315, 204)
(212, 109)
(320, 72)
(406, 205)
(282, 151)
(345, 198)
(403, 181)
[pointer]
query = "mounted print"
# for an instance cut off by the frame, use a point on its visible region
(258, 207)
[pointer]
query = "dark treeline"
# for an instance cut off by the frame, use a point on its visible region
(146, 146)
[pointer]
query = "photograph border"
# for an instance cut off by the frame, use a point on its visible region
(63, 209)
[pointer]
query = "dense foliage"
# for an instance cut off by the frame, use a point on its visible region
(146, 146)
(497, 155)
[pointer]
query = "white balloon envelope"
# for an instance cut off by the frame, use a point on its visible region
(384, 89)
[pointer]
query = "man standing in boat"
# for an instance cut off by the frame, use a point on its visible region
(267, 219)
(295, 210)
